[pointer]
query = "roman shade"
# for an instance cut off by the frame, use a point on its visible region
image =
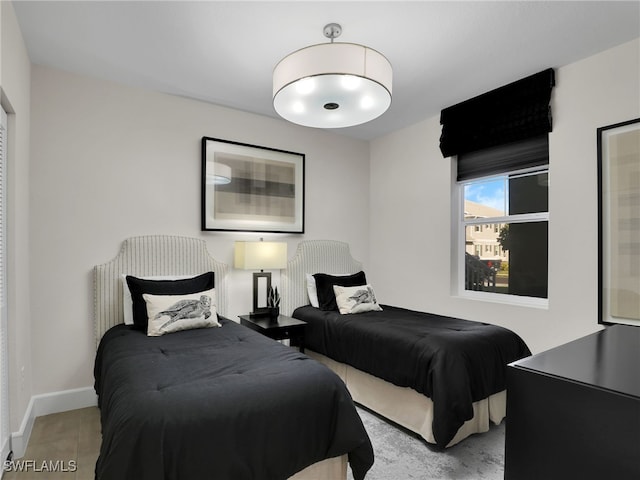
(509, 114)
(532, 152)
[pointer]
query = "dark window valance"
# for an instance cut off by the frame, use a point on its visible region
(514, 112)
(532, 152)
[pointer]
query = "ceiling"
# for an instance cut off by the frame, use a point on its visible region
(224, 52)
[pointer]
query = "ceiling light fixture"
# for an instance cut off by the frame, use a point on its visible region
(332, 85)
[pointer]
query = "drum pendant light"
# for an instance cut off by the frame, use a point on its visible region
(332, 85)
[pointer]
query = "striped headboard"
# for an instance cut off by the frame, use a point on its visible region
(151, 255)
(313, 256)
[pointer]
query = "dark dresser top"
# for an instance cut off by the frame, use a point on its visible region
(609, 359)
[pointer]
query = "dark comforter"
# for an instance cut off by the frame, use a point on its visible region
(452, 361)
(219, 403)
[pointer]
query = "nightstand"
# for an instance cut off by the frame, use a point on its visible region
(284, 328)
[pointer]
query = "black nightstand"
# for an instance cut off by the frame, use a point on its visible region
(284, 328)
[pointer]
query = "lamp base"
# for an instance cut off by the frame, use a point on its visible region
(261, 285)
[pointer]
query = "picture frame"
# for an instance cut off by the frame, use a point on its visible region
(618, 222)
(251, 188)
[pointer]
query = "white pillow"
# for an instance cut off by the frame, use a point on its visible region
(172, 313)
(127, 301)
(311, 287)
(356, 299)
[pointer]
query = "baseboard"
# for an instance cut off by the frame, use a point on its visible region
(46, 404)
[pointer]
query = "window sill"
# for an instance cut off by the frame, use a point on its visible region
(515, 300)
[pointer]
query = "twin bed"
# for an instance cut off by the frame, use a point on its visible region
(221, 402)
(226, 402)
(442, 378)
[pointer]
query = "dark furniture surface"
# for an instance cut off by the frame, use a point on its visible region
(281, 329)
(574, 411)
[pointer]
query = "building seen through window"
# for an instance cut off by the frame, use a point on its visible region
(505, 221)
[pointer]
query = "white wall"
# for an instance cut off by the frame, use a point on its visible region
(410, 238)
(109, 162)
(15, 82)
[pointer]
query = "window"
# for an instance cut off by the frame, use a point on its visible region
(514, 260)
(500, 140)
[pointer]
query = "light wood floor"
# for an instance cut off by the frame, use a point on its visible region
(61, 438)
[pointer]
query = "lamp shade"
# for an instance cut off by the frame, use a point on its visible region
(260, 255)
(332, 85)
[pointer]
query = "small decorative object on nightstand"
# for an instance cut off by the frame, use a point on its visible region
(281, 328)
(273, 304)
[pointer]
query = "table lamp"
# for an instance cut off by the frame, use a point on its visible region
(260, 256)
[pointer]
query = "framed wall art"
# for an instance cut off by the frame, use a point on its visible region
(619, 222)
(251, 188)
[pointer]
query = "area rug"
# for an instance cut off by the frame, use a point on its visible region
(400, 455)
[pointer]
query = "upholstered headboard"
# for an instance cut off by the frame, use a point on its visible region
(313, 256)
(151, 255)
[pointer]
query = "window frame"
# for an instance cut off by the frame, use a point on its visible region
(460, 225)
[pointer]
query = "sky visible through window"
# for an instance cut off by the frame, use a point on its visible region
(491, 193)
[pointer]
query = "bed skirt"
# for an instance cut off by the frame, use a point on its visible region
(408, 408)
(329, 468)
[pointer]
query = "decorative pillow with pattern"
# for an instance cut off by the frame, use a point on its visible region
(325, 283)
(140, 286)
(356, 299)
(172, 313)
